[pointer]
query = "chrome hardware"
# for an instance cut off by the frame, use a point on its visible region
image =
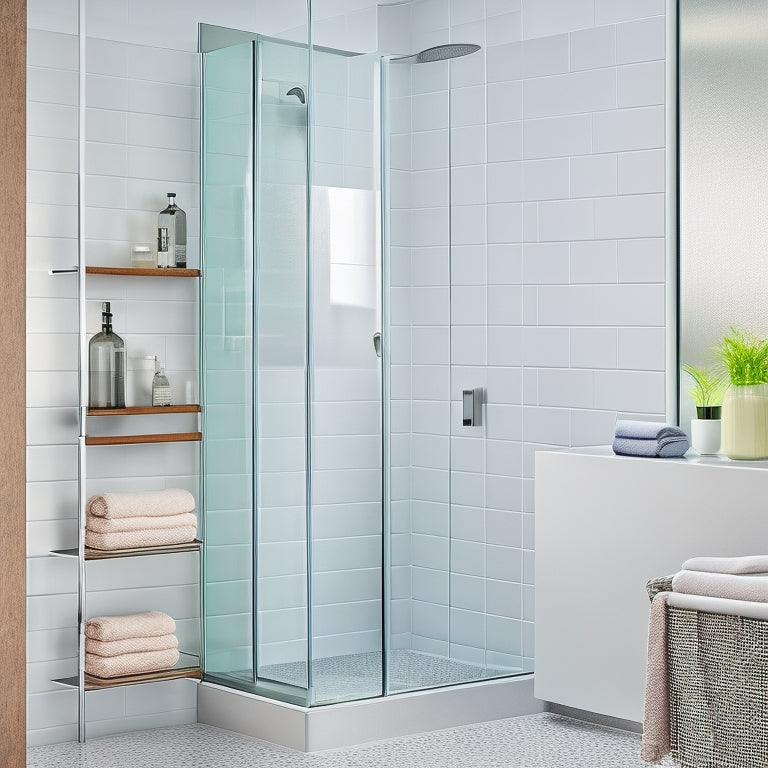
(377, 343)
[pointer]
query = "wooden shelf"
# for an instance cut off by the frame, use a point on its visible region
(104, 554)
(188, 666)
(167, 272)
(145, 410)
(164, 437)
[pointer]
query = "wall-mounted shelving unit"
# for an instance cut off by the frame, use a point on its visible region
(167, 272)
(188, 665)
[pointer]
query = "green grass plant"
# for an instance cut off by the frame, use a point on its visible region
(744, 357)
(709, 385)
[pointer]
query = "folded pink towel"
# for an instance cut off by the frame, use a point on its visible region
(171, 501)
(130, 645)
(732, 587)
(656, 722)
(159, 537)
(148, 624)
(737, 565)
(130, 663)
(123, 524)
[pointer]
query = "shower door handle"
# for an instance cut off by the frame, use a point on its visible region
(377, 343)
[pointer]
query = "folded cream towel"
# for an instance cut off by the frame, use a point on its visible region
(737, 565)
(123, 524)
(159, 537)
(130, 645)
(130, 663)
(148, 624)
(732, 587)
(656, 717)
(171, 501)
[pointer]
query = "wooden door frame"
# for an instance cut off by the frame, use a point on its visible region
(13, 111)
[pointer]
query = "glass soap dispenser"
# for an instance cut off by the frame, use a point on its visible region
(172, 235)
(106, 365)
(161, 389)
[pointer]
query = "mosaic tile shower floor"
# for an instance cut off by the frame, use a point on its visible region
(536, 741)
(359, 674)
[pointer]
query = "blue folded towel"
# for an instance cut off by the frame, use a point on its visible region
(649, 438)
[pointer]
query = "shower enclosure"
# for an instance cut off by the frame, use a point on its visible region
(332, 569)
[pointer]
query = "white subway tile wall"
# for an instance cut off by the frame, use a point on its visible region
(552, 296)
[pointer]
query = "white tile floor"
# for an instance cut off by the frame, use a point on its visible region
(535, 741)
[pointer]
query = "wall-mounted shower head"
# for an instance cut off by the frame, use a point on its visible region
(443, 52)
(298, 93)
(440, 53)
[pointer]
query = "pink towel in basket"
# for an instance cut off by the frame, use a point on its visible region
(656, 724)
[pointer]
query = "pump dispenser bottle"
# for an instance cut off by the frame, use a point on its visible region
(106, 365)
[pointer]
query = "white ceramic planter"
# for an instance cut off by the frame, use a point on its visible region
(705, 436)
(745, 422)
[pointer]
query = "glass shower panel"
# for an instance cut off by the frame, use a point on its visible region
(345, 280)
(281, 318)
(455, 569)
(227, 353)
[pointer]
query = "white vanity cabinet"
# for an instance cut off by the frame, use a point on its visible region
(605, 525)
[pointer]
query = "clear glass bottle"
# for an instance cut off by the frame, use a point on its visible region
(106, 365)
(161, 389)
(172, 235)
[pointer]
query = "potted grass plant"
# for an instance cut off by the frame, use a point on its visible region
(744, 358)
(708, 391)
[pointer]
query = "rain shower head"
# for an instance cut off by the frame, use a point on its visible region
(443, 52)
(440, 53)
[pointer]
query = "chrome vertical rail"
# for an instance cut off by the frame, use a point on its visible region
(201, 292)
(82, 373)
(252, 237)
(386, 457)
(308, 373)
(672, 233)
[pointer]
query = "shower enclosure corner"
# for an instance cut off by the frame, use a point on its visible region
(308, 576)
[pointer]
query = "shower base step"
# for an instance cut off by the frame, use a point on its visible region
(342, 725)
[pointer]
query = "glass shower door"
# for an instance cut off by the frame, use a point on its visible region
(227, 362)
(254, 367)
(280, 427)
(346, 424)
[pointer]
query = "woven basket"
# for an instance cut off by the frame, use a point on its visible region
(718, 679)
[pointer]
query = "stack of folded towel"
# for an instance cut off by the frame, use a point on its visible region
(731, 578)
(130, 645)
(649, 438)
(141, 519)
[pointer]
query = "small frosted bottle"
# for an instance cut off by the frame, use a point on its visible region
(172, 235)
(161, 389)
(106, 365)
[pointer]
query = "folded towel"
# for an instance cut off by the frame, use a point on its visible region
(727, 585)
(720, 605)
(130, 663)
(751, 564)
(160, 537)
(148, 624)
(130, 645)
(671, 447)
(646, 430)
(171, 501)
(124, 524)
(656, 723)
